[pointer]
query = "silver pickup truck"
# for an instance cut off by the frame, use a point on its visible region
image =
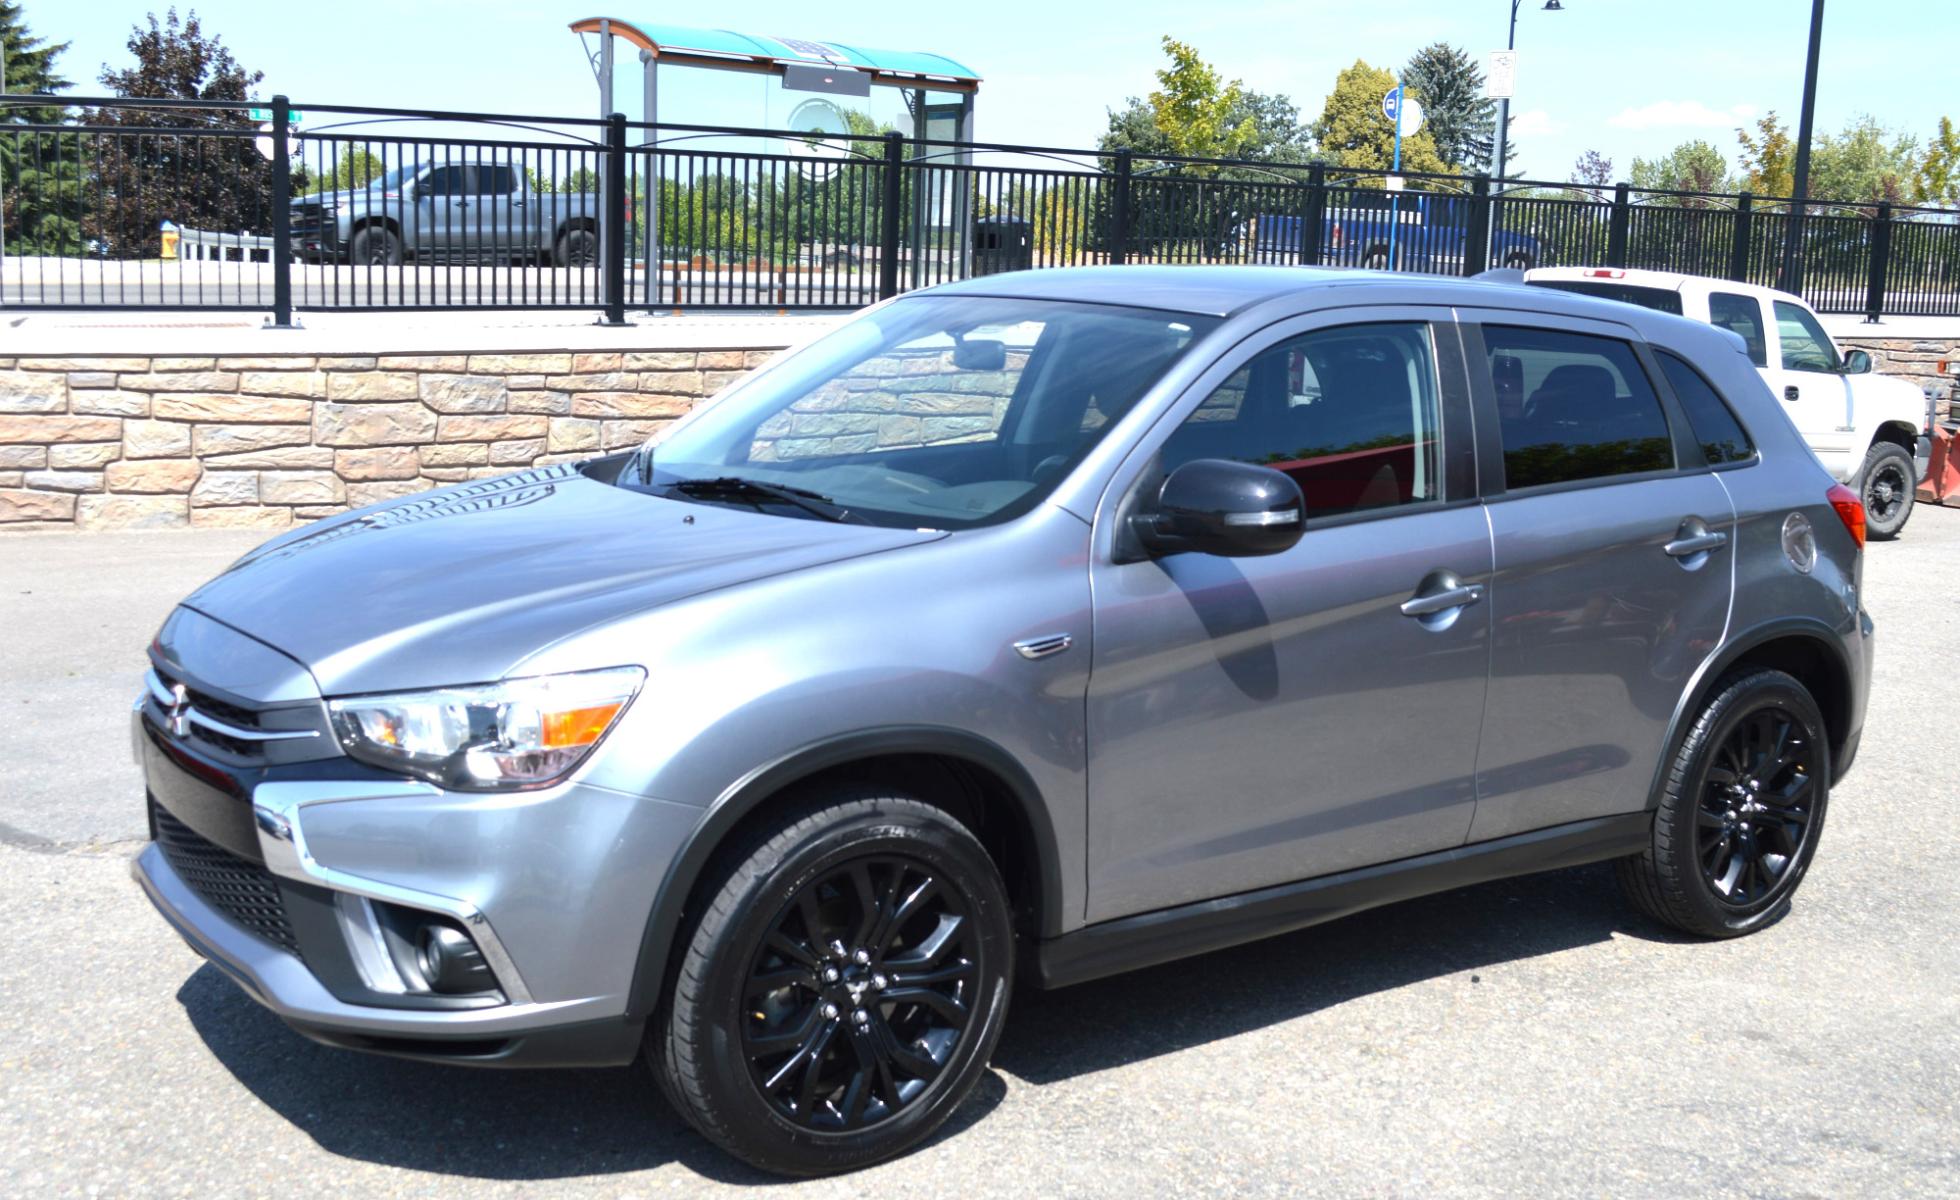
(451, 212)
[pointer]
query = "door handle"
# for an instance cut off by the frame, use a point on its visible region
(1790, 393)
(1698, 543)
(462, 204)
(1448, 598)
(517, 204)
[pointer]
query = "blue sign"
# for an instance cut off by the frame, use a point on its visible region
(1392, 102)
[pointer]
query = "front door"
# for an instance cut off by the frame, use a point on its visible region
(1813, 386)
(1254, 721)
(1614, 571)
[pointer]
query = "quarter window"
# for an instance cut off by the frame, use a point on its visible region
(1742, 315)
(1350, 414)
(1571, 406)
(1806, 347)
(1720, 435)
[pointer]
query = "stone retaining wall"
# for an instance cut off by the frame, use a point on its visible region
(267, 440)
(263, 441)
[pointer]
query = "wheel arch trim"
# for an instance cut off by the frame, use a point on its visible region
(1808, 629)
(742, 797)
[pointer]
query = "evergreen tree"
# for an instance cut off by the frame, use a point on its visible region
(1353, 131)
(40, 190)
(143, 179)
(1450, 85)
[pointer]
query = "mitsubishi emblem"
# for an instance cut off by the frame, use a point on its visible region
(179, 713)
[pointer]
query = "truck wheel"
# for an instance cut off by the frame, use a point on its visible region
(376, 247)
(1376, 259)
(844, 987)
(1518, 260)
(576, 248)
(1742, 811)
(1886, 485)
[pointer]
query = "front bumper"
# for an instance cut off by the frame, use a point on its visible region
(554, 887)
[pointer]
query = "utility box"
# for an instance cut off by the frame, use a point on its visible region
(1002, 244)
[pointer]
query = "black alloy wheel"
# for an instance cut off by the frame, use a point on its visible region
(843, 985)
(861, 992)
(1755, 813)
(1741, 810)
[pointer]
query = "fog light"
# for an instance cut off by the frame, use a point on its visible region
(450, 961)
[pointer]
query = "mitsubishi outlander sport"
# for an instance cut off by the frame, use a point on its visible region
(1047, 625)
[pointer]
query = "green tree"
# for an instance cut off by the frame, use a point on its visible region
(218, 183)
(1767, 157)
(1936, 180)
(1456, 114)
(356, 169)
(40, 173)
(1863, 163)
(1692, 166)
(1197, 114)
(1354, 133)
(1593, 169)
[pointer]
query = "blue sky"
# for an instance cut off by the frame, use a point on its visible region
(1626, 77)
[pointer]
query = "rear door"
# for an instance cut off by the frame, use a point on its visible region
(1613, 577)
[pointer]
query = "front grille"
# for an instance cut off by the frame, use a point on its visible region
(244, 891)
(218, 710)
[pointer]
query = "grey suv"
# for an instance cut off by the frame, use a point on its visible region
(1052, 625)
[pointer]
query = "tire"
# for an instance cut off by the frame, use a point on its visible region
(798, 882)
(1518, 260)
(1376, 259)
(1885, 484)
(576, 248)
(1710, 802)
(375, 246)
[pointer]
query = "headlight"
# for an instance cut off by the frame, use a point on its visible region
(520, 733)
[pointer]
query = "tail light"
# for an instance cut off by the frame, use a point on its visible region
(1850, 510)
(1334, 238)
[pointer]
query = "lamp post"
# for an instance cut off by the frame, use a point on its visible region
(1504, 105)
(1790, 278)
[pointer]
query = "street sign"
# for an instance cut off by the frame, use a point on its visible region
(263, 115)
(1409, 110)
(1501, 76)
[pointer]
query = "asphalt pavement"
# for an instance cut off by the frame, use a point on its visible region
(1527, 1037)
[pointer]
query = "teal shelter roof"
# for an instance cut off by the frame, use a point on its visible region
(726, 48)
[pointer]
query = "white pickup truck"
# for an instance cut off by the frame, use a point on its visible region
(1871, 431)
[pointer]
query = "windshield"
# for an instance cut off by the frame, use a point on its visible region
(936, 412)
(395, 178)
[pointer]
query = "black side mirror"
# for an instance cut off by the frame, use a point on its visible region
(1857, 362)
(983, 355)
(1232, 509)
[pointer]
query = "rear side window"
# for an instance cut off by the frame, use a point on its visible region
(1572, 406)
(1659, 299)
(1741, 315)
(1720, 436)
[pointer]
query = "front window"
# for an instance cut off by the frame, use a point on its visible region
(1806, 347)
(935, 412)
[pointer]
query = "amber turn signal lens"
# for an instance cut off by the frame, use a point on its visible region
(578, 726)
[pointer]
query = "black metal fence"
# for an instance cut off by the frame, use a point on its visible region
(192, 204)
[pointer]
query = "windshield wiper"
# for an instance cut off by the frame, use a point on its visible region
(734, 487)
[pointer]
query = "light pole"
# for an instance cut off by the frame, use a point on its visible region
(1504, 105)
(1790, 279)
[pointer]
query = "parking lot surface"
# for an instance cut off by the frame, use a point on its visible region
(1526, 1037)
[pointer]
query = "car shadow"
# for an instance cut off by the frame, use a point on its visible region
(548, 1124)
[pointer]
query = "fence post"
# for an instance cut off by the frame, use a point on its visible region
(888, 217)
(1881, 252)
(1739, 245)
(1314, 222)
(1616, 227)
(612, 227)
(1119, 211)
(282, 215)
(1476, 228)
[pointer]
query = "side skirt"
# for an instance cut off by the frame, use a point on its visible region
(1147, 939)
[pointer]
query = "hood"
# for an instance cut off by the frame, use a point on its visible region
(462, 584)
